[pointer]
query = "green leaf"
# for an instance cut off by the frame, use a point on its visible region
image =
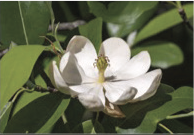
(123, 16)
(4, 116)
(84, 127)
(163, 54)
(87, 126)
(93, 31)
(74, 113)
(25, 99)
(39, 115)
(142, 117)
(23, 22)
(163, 22)
(16, 67)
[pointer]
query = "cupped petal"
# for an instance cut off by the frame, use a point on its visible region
(56, 78)
(146, 84)
(119, 93)
(135, 67)
(73, 73)
(93, 99)
(117, 51)
(84, 52)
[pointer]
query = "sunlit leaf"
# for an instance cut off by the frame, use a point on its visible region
(23, 22)
(163, 54)
(123, 17)
(16, 67)
(163, 22)
(39, 115)
(143, 117)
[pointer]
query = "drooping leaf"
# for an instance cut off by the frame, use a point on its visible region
(143, 117)
(16, 67)
(93, 31)
(39, 115)
(163, 22)
(163, 54)
(23, 22)
(123, 17)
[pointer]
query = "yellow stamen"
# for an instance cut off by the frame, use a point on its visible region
(101, 63)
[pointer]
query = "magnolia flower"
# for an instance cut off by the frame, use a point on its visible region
(102, 82)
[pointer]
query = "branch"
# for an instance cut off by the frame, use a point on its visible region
(180, 115)
(68, 25)
(38, 88)
(184, 17)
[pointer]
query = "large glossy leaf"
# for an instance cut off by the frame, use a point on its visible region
(123, 16)
(40, 67)
(25, 99)
(93, 31)
(163, 54)
(16, 67)
(74, 113)
(23, 22)
(143, 117)
(39, 115)
(163, 22)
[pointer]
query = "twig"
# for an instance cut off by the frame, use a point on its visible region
(180, 115)
(68, 25)
(164, 127)
(184, 17)
(38, 88)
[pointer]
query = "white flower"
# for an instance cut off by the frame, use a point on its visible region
(102, 82)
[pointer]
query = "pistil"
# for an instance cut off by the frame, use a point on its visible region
(101, 63)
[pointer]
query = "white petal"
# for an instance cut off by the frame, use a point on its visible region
(146, 84)
(56, 78)
(73, 74)
(82, 88)
(119, 93)
(93, 99)
(117, 51)
(137, 66)
(85, 54)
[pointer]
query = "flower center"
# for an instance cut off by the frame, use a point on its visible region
(101, 63)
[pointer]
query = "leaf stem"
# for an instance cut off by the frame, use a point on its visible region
(23, 24)
(171, 2)
(97, 116)
(179, 6)
(64, 118)
(18, 92)
(164, 127)
(180, 115)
